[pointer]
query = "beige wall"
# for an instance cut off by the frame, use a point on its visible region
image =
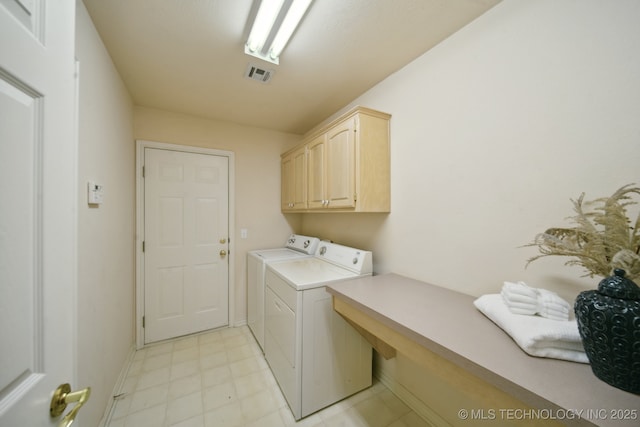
(493, 131)
(257, 179)
(105, 233)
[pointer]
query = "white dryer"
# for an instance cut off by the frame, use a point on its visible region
(296, 246)
(316, 357)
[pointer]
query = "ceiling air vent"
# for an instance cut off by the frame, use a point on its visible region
(261, 75)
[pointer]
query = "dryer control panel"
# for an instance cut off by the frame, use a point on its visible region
(356, 260)
(305, 244)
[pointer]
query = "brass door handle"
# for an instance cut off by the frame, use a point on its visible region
(223, 253)
(62, 397)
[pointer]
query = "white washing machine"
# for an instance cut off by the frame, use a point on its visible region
(316, 357)
(296, 246)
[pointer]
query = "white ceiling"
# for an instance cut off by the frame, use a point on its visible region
(188, 56)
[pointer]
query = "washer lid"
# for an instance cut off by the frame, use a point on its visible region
(278, 253)
(309, 272)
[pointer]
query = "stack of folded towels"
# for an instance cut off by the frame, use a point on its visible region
(537, 320)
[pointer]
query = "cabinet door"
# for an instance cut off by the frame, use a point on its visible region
(294, 180)
(316, 166)
(300, 178)
(287, 183)
(340, 170)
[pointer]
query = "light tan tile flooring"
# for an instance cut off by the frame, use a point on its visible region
(221, 379)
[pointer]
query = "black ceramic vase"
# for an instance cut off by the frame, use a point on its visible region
(609, 325)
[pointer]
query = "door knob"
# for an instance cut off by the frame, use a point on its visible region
(223, 253)
(62, 397)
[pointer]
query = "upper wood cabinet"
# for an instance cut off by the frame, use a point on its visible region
(316, 176)
(294, 180)
(347, 165)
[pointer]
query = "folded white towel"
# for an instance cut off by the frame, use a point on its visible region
(537, 336)
(522, 299)
(551, 306)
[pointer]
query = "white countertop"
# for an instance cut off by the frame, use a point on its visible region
(447, 323)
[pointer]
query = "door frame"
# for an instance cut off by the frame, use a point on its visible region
(140, 147)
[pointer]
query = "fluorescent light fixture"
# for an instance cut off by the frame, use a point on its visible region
(291, 21)
(267, 27)
(266, 17)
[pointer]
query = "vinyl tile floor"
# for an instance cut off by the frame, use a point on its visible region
(221, 379)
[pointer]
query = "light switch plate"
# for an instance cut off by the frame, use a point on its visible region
(95, 193)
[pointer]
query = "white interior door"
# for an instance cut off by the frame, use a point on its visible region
(37, 207)
(186, 243)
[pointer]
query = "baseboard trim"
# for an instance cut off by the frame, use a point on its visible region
(238, 323)
(106, 418)
(408, 398)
